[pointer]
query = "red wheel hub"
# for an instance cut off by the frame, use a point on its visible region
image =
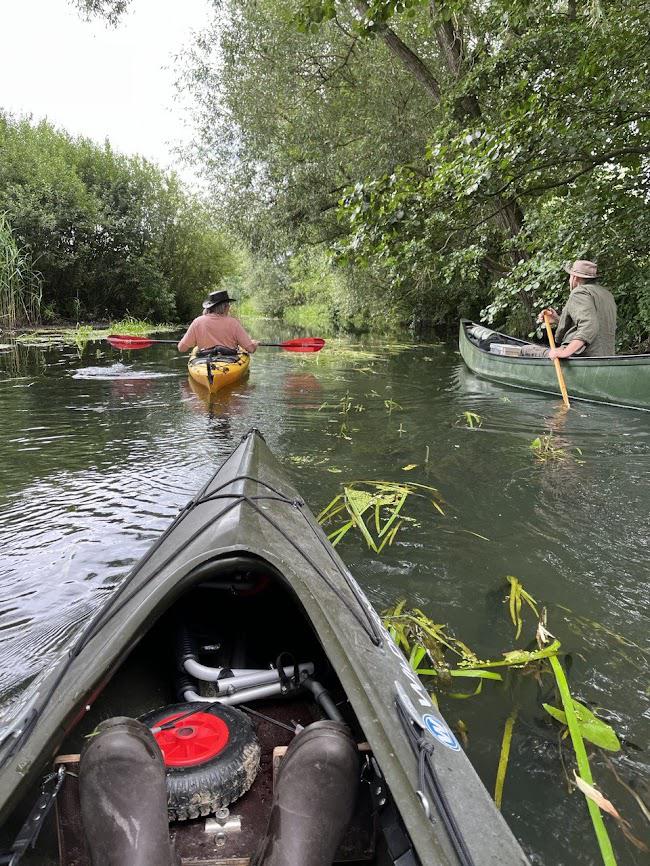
(194, 740)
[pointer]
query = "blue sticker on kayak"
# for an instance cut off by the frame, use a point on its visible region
(441, 732)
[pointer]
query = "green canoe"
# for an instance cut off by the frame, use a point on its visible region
(243, 601)
(617, 380)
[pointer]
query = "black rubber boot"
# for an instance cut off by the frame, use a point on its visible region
(315, 792)
(123, 796)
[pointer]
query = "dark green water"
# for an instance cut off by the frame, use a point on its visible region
(99, 452)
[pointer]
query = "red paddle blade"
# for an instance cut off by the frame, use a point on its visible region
(119, 341)
(308, 344)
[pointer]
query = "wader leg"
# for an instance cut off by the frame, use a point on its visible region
(123, 796)
(315, 792)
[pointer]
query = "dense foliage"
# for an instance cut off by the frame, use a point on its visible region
(107, 233)
(452, 154)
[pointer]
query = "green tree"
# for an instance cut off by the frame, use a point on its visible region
(108, 233)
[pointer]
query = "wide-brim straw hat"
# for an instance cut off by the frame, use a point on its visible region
(219, 297)
(582, 268)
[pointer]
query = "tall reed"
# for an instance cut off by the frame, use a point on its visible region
(20, 283)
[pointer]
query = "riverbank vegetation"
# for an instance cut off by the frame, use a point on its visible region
(444, 158)
(89, 234)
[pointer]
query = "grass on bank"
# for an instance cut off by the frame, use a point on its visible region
(82, 334)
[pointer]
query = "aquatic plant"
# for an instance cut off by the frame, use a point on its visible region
(546, 449)
(391, 405)
(518, 595)
(374, 508)
(82, 335)
(471, 419)
(20, 282)
(137, 327)
(438, 656)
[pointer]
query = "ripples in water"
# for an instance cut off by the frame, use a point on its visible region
(118, 371)
(95, 461)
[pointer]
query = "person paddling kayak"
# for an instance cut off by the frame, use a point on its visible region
(216, 327)
(587, 325)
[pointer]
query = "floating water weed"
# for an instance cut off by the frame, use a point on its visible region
(503, 757)
(591, 727)
(139, 327)
(82, 334)
(471, 419)
(546, 449)
(374, 508)
(425, 642)
(391, 405)
(582, 760)
(518, 595)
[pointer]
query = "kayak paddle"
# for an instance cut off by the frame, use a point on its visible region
(305, 344)
(124, 341)
(556, 361)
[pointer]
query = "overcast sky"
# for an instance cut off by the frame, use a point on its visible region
(97, 81)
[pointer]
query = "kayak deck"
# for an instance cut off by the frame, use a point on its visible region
(215, 372)
(248, 572)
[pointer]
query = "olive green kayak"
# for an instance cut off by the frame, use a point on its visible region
(617, 380)
(244, 613)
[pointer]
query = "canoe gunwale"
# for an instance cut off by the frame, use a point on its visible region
(592, 360)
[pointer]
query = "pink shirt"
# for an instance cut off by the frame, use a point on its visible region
(211, 330)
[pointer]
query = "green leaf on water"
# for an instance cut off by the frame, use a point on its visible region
(591, 727)
(504, 756)
(604, 842)
(518, 595)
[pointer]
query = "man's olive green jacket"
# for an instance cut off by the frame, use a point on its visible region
(590, 316)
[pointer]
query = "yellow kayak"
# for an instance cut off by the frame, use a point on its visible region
(218, 371)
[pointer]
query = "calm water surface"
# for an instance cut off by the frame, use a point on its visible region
(99, 451)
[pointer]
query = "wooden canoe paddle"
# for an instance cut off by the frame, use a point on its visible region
(556, 362)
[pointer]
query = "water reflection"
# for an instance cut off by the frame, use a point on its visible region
(303, 390)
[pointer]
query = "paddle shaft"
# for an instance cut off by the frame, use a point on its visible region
(556, 362)
(125, 341)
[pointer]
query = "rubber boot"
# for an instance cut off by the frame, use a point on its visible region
(314, 797)
(123, 796)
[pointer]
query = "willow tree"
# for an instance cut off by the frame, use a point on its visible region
(539, 150)
(460, 150)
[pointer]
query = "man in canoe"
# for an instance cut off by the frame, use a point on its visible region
(587, 325)
(216, 327)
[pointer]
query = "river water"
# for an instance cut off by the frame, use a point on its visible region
(99, 451)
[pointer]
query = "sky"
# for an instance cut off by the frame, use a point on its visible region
(100, 82)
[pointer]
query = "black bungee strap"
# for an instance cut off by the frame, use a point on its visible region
(29, 832)
(430, 787)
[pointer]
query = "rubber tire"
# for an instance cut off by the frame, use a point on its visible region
(200, 790)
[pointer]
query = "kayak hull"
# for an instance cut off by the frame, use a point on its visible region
(249, 511)
(618, 380)
(223, 371)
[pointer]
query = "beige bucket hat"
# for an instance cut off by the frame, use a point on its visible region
(582, 268)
